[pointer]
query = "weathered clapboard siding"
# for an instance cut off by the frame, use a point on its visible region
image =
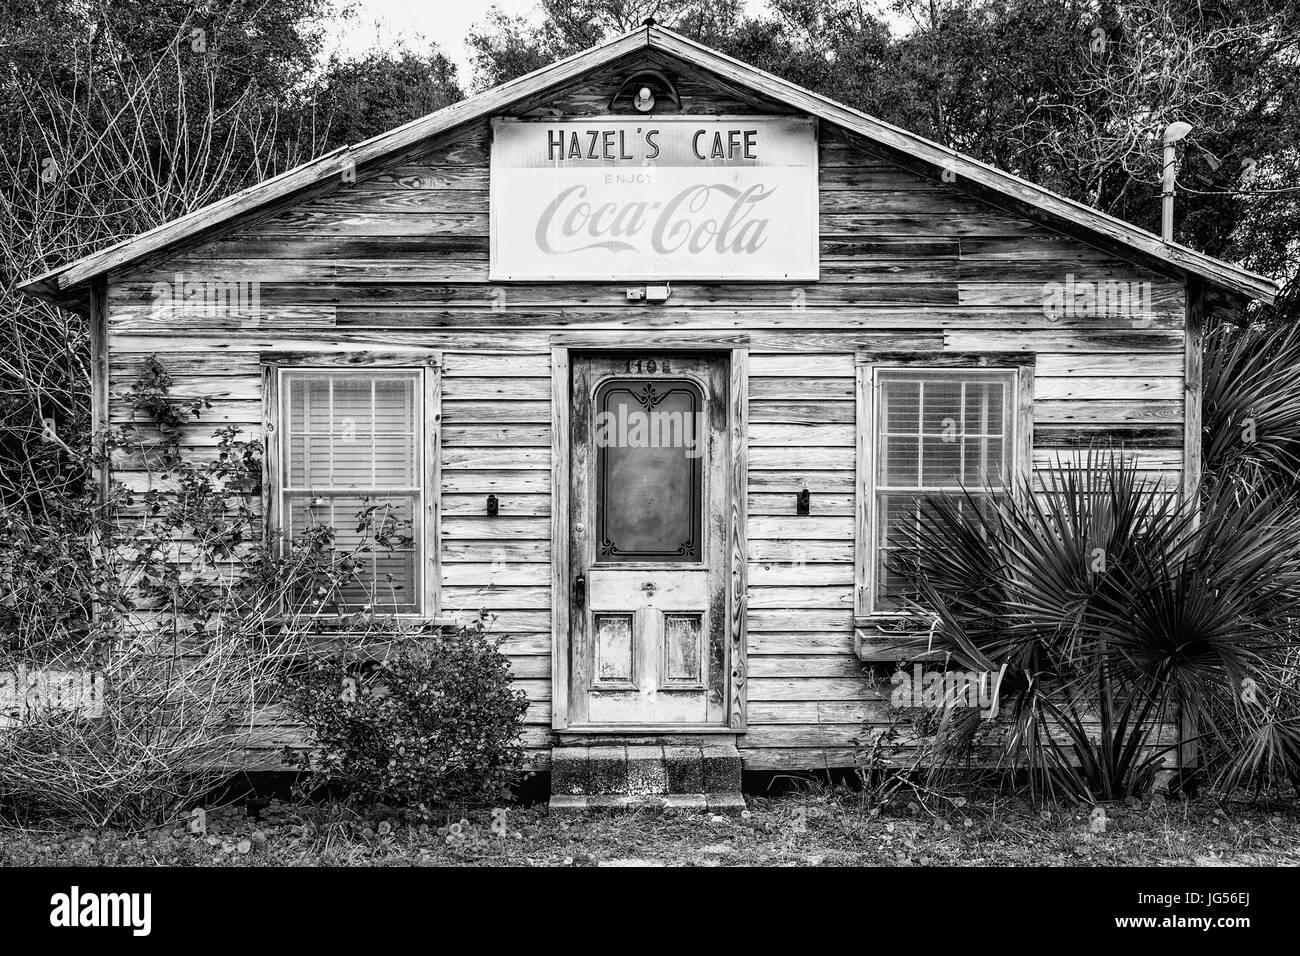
(910, 263)
(485, 440)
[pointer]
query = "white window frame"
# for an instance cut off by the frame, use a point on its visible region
(277, 368)
(1015, 368)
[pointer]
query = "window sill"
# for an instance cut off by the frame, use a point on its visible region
(895, 621)
(880, 637)
(383, 633)
(332, 622)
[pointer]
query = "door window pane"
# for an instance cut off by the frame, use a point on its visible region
(650, 439)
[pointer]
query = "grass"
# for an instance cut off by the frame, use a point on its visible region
(814, 827)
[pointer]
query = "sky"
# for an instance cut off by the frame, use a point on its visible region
(413, 23)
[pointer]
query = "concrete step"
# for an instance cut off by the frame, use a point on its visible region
(598, 776)
(710, 802)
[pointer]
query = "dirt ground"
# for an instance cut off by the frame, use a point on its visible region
(813, 827)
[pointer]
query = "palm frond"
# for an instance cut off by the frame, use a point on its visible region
(1250, 408)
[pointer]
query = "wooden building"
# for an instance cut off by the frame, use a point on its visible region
(656, 350)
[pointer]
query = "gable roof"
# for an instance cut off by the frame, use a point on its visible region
(62, 283)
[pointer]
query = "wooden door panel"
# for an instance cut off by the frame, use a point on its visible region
(615, 650)
(609, 709)
(613, 589)
(683, 665)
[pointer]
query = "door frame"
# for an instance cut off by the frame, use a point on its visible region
(736, 350)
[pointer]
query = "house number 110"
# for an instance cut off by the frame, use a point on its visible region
(641, 366)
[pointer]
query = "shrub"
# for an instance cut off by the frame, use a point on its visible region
(1117, 610)
(172, 723)
(435, 723)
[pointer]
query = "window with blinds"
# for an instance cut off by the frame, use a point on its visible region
(352, 460)
(936, 432)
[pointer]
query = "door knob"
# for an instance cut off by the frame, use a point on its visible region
(580, 591)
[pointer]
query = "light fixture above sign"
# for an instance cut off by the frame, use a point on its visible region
(640, 88)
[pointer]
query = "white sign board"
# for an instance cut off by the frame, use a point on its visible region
(654, 198)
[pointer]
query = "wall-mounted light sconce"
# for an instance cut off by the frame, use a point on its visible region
(645, 89)
(492, 506)
(803, 503)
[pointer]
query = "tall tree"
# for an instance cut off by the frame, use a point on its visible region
(381, 90)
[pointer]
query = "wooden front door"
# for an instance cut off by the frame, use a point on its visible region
(648, 500)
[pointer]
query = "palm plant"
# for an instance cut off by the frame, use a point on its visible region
(1250, 410)
(1116, 610)
(1250, 407)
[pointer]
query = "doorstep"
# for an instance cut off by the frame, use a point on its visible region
(688, 775)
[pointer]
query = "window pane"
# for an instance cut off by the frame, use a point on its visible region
(985, 463)
(900, 462)
(649, 444)
(941, 464)
(900, 516)
(940, 406)
(896, 512)
(983, 407)
(351, 439)
(900, 403)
